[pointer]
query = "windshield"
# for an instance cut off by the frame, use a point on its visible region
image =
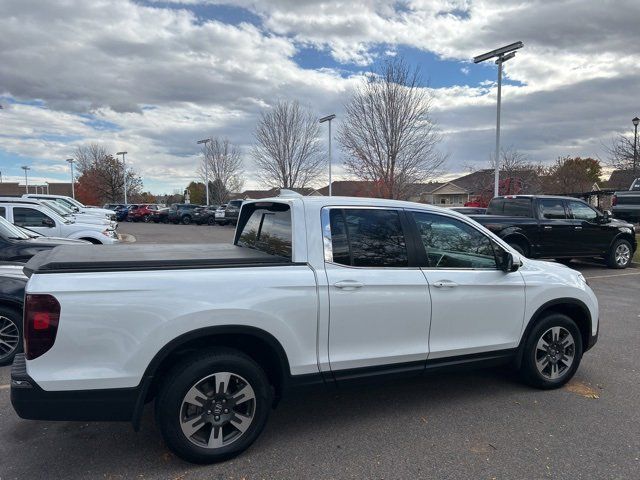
(66, 202)
(72, 201)
(9, 230)
(59, 208)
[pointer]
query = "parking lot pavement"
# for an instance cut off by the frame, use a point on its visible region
(482, 424)
(170, 233)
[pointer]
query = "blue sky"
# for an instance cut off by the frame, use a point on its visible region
(164, 74)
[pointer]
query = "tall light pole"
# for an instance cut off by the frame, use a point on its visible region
(328, 118)
(206, 166)
(73, 187)
(503, 53)
(124, 167)
(635, 121)
(26, 177)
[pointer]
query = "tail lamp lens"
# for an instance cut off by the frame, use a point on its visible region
(614, 201)
(41, 316)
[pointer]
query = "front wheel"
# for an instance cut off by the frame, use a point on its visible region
(620, 255)
(213, 406)
(146, 218)
(552, 352)
(10, 334)
(186, 220)
(211, 221)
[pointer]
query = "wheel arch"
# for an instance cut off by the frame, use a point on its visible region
(572, 308)
(622, 236)
(520, 238)
(258, 344)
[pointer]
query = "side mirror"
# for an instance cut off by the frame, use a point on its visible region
(508, 264)
(47, 222)
(606, 217)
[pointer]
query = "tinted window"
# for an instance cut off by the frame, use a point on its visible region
(450, 243)
(517, 207)
(28, 217)
(268, 230)
(368, 238)
(582, 211)
(3, 212)
(552, 209)
(495, 207)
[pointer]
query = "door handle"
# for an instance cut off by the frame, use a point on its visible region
(577, 228)
(348, 284)
(445, 284)
(548, 227)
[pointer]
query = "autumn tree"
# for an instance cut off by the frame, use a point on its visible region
(102, 176)
(287, 152)
(574, 175)
(388, 135)
(222, 163)
(197, 195)
(518, 174)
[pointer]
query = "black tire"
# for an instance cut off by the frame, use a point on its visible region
(10, 323)
(211, 221)
(519, 247)
(146, 218)
(621, 254)
(192, 371)
(186, 220)
(529, 370)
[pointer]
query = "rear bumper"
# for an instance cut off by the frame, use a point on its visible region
(31, 402)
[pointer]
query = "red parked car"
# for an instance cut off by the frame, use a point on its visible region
(142, 212)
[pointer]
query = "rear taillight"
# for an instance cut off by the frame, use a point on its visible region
(614, 201)
(41, 316)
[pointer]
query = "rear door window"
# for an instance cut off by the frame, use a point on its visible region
(368, 238)
(552, 209)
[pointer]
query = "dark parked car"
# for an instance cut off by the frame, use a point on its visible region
(228, 213)
(626, 204)
(470, 210)
(12, 283)
(182, 213)
(207, 215)
(559, 227)
(161, 215)
(19, 245)
(122, 212)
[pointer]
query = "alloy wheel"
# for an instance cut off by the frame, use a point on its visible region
(217, 410)
(622, 254)
(555, 353)
(9, 337)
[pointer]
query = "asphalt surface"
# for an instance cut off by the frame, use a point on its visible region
(481, 425)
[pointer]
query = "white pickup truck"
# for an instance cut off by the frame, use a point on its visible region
(313, 290)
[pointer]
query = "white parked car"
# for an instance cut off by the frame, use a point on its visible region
(79, 217)
(44, 220)
(313, 290)
(74, 205)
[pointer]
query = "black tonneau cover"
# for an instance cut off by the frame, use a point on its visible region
(104, 258)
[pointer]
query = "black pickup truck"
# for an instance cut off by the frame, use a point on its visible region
(561, 228)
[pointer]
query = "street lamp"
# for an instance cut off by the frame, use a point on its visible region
(26, 177)
(124, 167)
(635, 121)
(206, 166)
(328, 118)
(503, 53)
(73, 188)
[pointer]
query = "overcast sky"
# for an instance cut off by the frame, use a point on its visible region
(152, 77)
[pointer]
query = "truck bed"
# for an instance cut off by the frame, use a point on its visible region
(109, 258)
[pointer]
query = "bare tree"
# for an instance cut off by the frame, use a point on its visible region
(102, 176)
(388, 134)
(620, 152)
(287, 151)
(224, 164)
(518, 174)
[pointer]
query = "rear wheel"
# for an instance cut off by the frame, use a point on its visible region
(10, 334)
(186, 220)
(620, 255)
(147, 218)
(519, 247)
(213, 406)
(211, 221)
(552, 352)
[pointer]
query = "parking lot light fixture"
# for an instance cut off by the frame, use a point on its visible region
(124, 167)
(328, 118)
(503, 54)
(73, 188)
(635, 121)
(26, 177)
(206, 166)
